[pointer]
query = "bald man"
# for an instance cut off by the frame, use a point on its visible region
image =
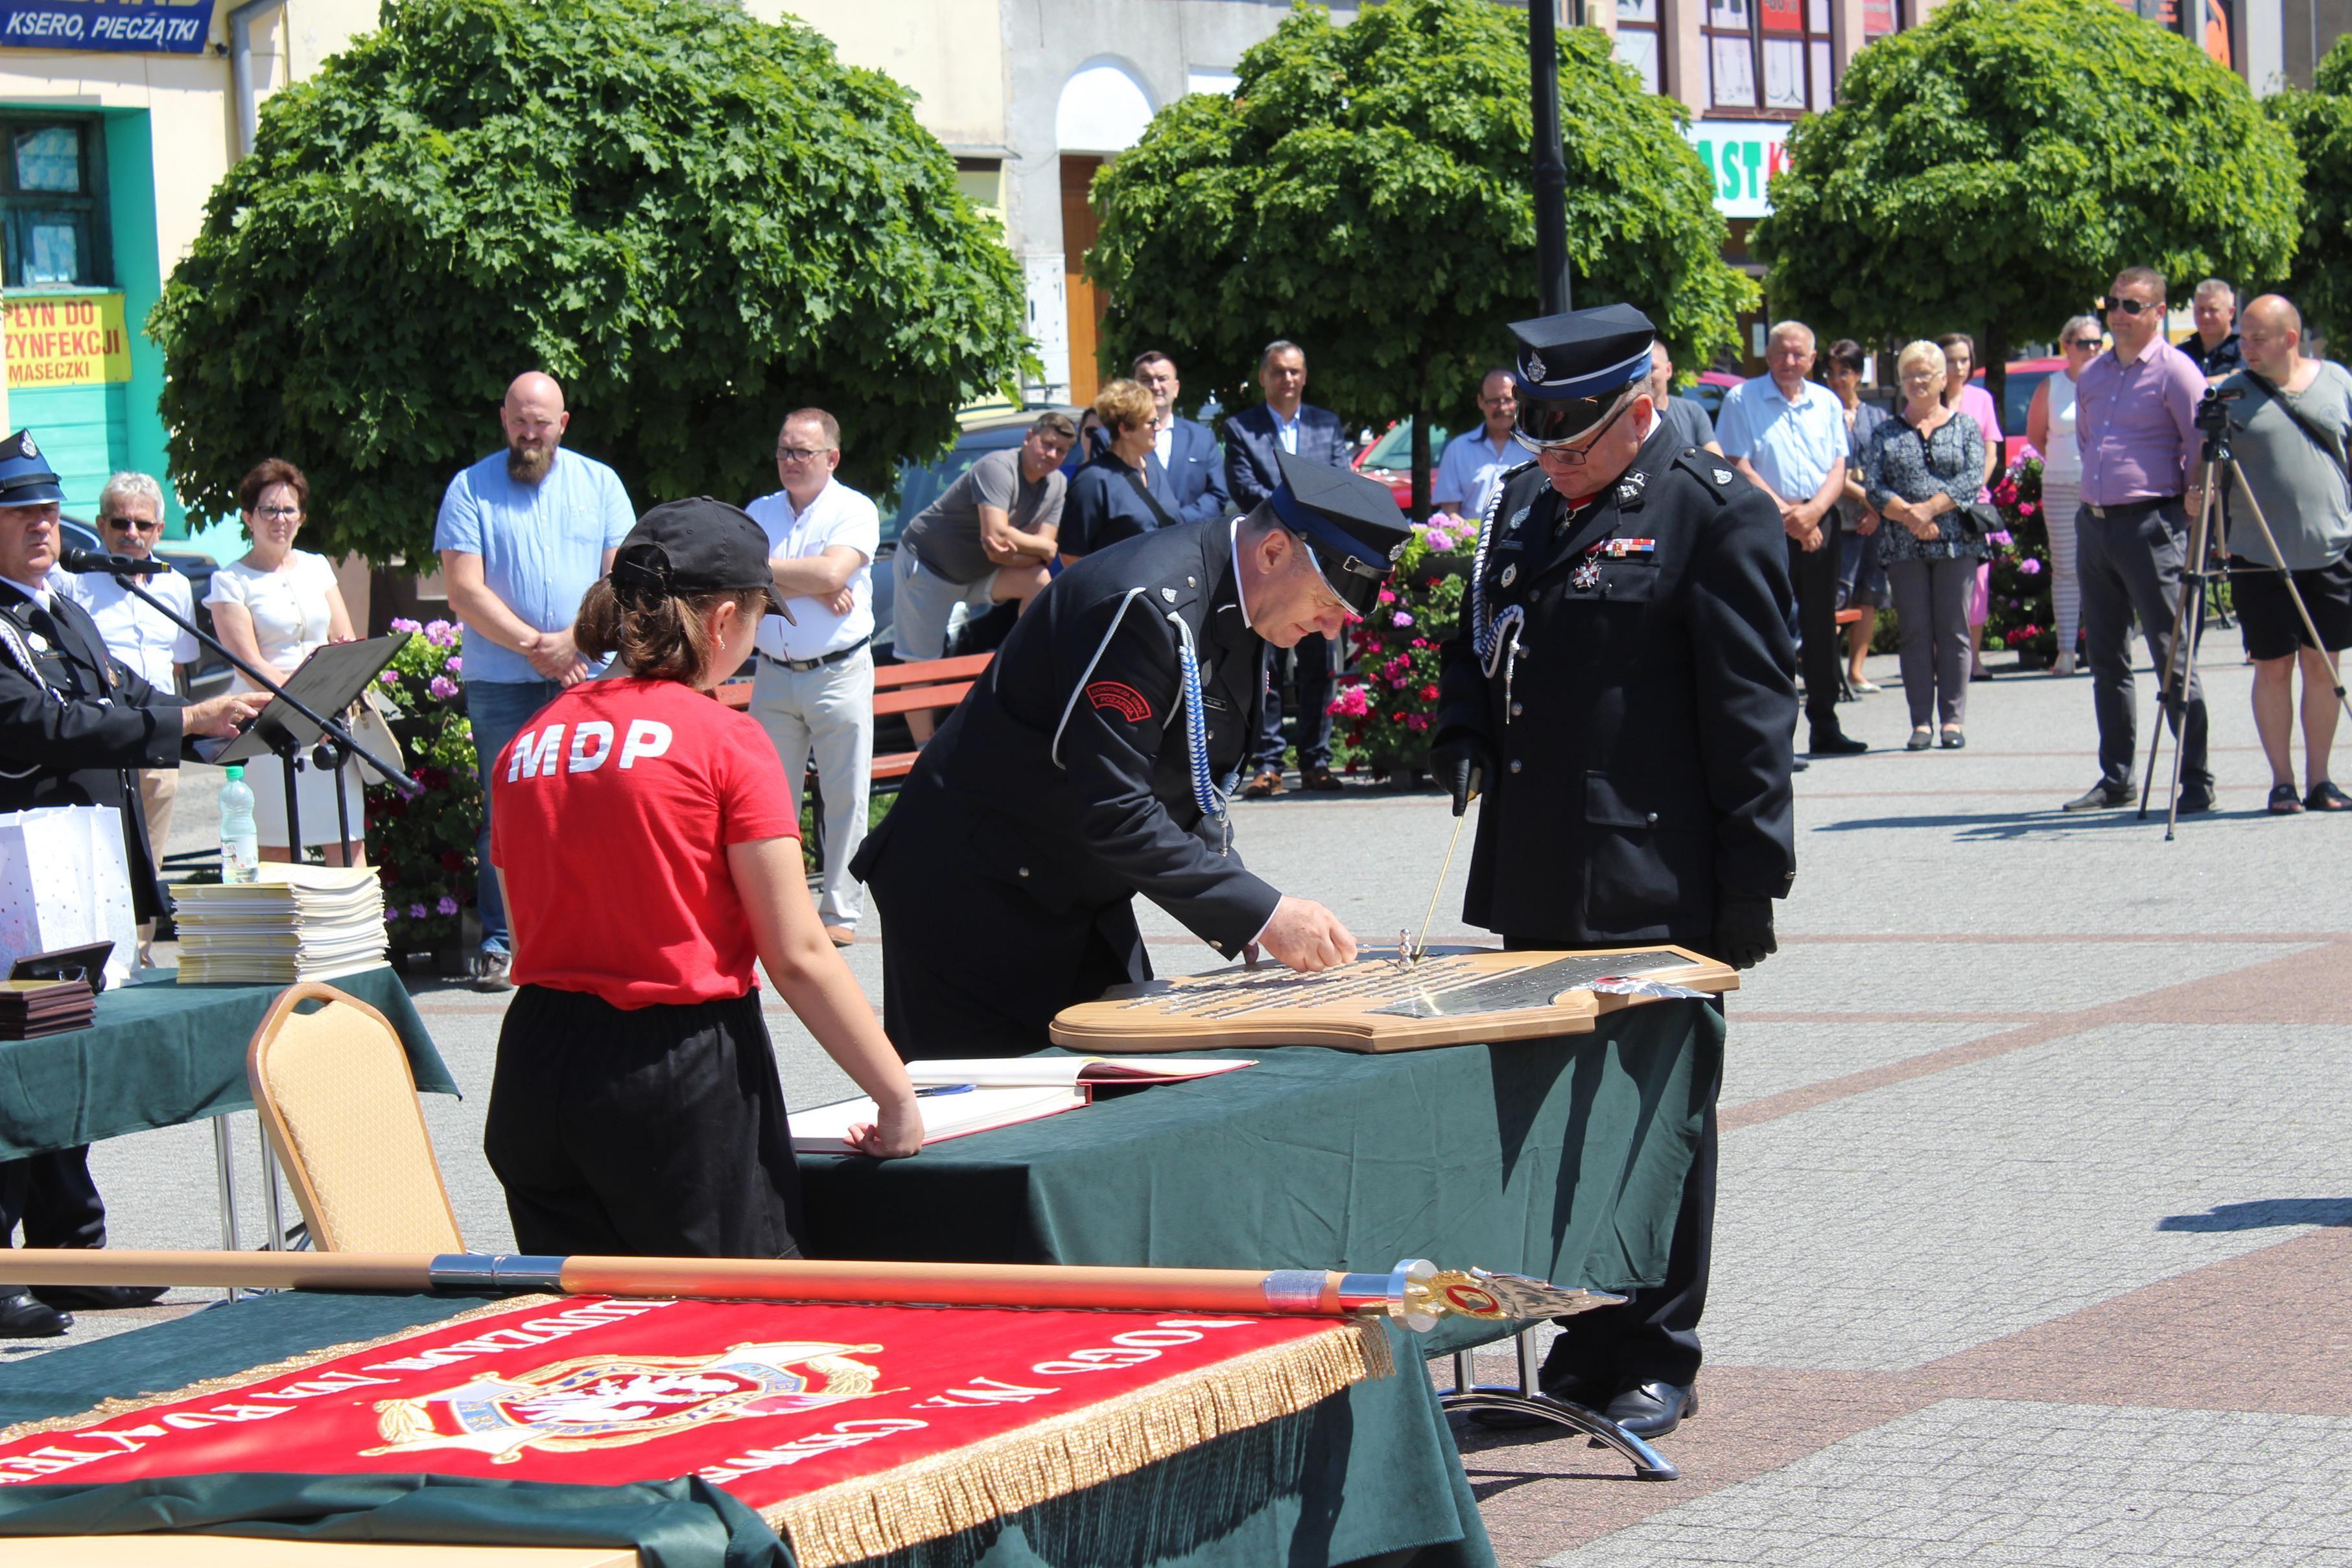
(522, 534)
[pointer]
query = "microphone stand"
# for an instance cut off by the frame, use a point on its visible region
(343, 740)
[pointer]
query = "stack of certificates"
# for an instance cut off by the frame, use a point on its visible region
(31, 1008)
(298, 922)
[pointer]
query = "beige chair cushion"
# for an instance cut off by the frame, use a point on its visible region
(335, 1089)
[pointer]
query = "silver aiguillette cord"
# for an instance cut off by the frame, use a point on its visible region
(1420, 948)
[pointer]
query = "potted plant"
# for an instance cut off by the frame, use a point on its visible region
(1383, 712)
(423, 847)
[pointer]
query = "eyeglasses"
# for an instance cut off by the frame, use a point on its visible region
(133, 524)
(2091, 343)
(277, 513)
(800, 454)
(1556, 413)
(2132, 307)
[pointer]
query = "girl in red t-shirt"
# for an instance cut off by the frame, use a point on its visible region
(648, 844)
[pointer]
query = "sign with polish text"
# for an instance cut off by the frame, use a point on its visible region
(66, 340)
(123, 27)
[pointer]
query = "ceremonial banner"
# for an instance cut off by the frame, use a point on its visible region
(857, 1431)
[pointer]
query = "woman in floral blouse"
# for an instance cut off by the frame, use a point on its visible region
(1921, 471)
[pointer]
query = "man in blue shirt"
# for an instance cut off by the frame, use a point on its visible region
(1470, 468)
(523, 535)
(1788, 436)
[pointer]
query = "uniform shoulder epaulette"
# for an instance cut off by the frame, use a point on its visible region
(1714, 470)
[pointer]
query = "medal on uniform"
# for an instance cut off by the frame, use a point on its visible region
(1587, 575)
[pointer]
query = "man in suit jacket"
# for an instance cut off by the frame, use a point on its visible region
(1186, 473)
(1285, 423)
(72, 719)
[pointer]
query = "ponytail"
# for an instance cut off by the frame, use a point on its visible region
(658, 636)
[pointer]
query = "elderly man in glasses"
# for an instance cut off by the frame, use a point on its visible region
(1624, 696)
(129, 522)
(2135, 424)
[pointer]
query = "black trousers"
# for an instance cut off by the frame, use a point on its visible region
(53, 1196)
(646, 1132)
(1311, 665)
(1815, 575)
(1654, 1336)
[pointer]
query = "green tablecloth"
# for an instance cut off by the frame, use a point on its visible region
(160, 1054)
(1561, 1157)
(1367, 1473)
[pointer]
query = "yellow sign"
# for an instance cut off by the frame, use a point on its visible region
(66, 341)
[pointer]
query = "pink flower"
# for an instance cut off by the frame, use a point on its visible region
(1350, 704)
(390, 678)
(401, 623)
(1386, 596)
(440, 633)
(442, 687)
(1401, 618)
(2027, 508)
(455, 666)
(416, 911)
(2030, 567)
(1416, 721)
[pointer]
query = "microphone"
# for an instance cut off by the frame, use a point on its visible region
(113, 565)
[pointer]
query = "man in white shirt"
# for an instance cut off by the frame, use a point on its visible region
(129, 522)
(1473, 463)
(813, 689)
(1788, 436)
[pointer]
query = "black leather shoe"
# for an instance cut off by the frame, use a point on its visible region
(21, 1317)
(1654, 1409)
(1835, 742)
(99, 1298)
(2196, 798)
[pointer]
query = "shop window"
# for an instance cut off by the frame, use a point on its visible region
(52, 200)
(1770, 58)
(1638, 41)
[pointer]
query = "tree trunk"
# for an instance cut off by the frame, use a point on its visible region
(1995, 350)
(1421, 466)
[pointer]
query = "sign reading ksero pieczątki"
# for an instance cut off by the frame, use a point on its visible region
(130, 26)
(1741, 157)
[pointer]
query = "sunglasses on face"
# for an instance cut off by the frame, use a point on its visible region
(132, 525)
(2090, 343)
(2132, 307)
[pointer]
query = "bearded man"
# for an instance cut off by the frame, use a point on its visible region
(522, 534)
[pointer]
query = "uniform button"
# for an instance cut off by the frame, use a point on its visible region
(1025, 871)
(1517, 708)
(1654, 819)
(1515, 765)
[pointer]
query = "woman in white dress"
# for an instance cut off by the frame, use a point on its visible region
(2050, 426)
(275, 608)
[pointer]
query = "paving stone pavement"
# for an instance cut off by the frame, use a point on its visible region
(2034, 1242)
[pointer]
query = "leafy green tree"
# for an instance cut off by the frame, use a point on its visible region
(1993, 170)
(2320, 120)
(694, 221)
(1365, 191)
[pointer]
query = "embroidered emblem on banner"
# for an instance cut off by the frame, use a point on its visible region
(611, 1401)
(1116, 697)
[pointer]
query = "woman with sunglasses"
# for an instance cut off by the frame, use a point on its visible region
(1920, 472)
(274, 606)
(2050, 426)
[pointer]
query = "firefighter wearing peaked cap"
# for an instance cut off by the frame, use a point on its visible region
(72, 718)
(1622, 697)
(1082, 770)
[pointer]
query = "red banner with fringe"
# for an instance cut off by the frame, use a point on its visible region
(858, 1430)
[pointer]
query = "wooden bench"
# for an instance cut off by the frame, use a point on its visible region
(929, 685)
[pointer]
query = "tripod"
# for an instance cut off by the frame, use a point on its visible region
(2218, 465)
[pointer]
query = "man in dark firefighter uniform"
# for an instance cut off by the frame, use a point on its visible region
(1082, 768)
(1622, 696)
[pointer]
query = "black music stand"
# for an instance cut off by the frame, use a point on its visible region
(328, 682)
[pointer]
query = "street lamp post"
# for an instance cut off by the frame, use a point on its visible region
(1552, 287)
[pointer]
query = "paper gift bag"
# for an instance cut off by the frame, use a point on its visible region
(65, 882)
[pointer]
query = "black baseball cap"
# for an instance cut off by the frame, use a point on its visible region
(697, 546)
(1351, 525)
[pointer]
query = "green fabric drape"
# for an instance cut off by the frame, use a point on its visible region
(160, 1054)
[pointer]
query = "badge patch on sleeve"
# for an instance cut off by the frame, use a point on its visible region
(1116, 697)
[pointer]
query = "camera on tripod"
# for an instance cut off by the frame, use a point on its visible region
(2212, 409)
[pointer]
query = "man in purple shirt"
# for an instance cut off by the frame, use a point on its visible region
(2137, 425)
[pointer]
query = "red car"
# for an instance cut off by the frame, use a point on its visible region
(1389, 459)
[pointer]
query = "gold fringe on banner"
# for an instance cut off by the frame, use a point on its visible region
(107, 1410)
(937, 1496)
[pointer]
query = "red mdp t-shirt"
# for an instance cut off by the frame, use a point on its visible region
(611, 815)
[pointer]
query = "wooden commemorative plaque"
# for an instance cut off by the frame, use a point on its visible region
(1455, 997)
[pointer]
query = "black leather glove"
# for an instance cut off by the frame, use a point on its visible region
(1462, 764)
(1743, 930)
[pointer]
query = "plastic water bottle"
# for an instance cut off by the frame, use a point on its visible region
(240, 844)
